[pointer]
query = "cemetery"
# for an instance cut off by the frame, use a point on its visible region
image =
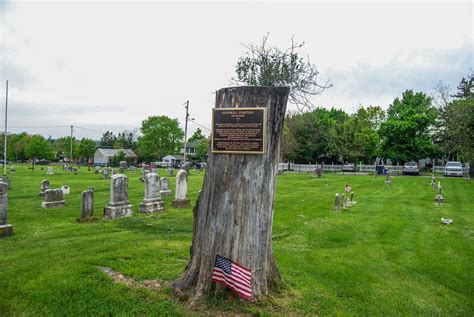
(331, 262)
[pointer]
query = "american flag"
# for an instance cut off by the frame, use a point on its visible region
(235, 276)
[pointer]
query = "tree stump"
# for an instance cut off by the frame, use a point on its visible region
(234, 213)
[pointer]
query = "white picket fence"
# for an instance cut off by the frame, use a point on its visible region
(309, 168)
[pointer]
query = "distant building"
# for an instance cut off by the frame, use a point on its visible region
(171, 160)
(103, 157)
(190, 149)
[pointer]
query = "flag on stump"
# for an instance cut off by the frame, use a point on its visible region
(233, 275)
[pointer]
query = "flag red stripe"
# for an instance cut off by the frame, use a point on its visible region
(240, 294)
(245, 273)
(238, 279)
(224, 280)
(246, 287)
(242, 267)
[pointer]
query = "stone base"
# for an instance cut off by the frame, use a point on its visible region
(147, 208)
(6, 230)
(439, 197)
(180, 203)
(52, 204)
(87, 219)
(165, 192)
(112, 212)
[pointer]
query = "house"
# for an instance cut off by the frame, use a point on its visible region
(171, 160)
(190, 149)
(103, 157)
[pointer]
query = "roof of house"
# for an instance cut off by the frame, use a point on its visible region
(112, 152)
(176, 157)
(192, 144)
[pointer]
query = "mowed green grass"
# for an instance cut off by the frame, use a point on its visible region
(387, 255)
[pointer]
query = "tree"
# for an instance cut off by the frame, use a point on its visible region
(234, 213)
(160, 136)
(405, 134)
(126, 140)
(87, 148)
(465, 87)
(270, 66)
(63, 147)
(117, 158)
(38, 148)
(202, 149)
(197, 135)
(108, 139)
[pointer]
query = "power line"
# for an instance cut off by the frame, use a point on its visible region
(200, 125)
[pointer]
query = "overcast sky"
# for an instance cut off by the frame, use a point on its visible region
(109, 65)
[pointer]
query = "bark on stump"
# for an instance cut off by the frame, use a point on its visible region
(233, 216)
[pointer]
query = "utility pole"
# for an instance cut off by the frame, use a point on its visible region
(5, 135)
(70, 151)
(186, 130)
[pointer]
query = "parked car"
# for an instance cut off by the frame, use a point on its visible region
(349, 167)
(42, 162)
(453, 169)
(411, 168)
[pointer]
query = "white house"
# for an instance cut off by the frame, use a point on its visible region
(190, 149)
(171, 160)
(103, 157)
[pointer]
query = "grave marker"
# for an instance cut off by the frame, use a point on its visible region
(165, 191)
(118, 205)
(152, 201)
(181, 195)
(6, 229)
(87, 206)
(53, 198)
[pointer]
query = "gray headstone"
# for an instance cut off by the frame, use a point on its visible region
(50, 171)
(53, 198)
(164, 182)
(87, 207)
(105, 173)
(12, 169)
(181, 196)
(133, 169)
(6, 229)
(152, 201)
(170, 171)
(123, 165)
(337, 202)
(119, 205)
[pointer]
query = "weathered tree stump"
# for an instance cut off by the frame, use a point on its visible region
(234, 214)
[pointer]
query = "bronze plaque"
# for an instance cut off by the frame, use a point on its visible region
(238, 130)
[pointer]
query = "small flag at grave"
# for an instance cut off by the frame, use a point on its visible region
(348, 188)
(235, 276)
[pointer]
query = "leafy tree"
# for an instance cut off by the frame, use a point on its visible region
(126, 140)
(120, 156)
(87, 148)
(108, 139)
(38, 148)
(63, 147)
(269, 66)
(465, 87)
(161, 136)
(18, 145)
(197, 135)
(202, 149)
(405, 134)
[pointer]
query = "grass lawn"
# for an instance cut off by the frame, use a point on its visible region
(387, 255)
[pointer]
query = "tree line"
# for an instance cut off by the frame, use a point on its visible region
(415, 126)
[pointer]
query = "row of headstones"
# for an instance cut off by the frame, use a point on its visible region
(341, 201)
(65, 168)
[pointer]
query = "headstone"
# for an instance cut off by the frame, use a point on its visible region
(44, 186)
(433, 181)
(318, 171)
(5, 179)
(50, 171)
(152, 165)
(96, 170)
(12, 169)
(170, 171)
(152, 201)
(337, 202)
(105, 173)
(53, 198)
(388, 180)
(165, 191)
(133, 169)
(66, 190)
(65, 167)
(181, 195)
(118, 205)
(344, 202)
(6, 229)
(74, 170)
(114, 171)
(353, 202)
(439, 196)
(87, 207)
(123, 166)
